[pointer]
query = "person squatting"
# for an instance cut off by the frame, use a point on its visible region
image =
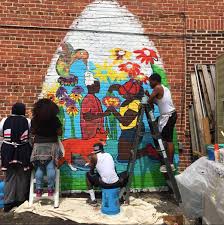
(34, 144)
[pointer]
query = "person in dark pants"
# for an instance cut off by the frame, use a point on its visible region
(161, 96)
(106, 176)
(15, 156)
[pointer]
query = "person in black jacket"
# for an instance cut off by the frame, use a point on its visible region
(15, 156)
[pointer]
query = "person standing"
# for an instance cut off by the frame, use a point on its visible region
(15, 156)
(161, 96)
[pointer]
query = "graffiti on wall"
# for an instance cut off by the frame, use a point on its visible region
(97, 78)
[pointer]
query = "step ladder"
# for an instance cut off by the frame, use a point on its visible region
(54, 198)
(145, 110)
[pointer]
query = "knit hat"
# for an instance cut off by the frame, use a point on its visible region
(19, 109)
(97, 148)
(130, 87)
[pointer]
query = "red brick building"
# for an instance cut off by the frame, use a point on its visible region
(185, 32)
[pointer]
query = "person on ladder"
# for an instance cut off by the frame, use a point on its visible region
(106, 176)
(161, 96)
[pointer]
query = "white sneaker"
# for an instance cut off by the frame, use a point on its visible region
(164, 170)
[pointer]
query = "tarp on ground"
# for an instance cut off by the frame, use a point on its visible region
(76, 209)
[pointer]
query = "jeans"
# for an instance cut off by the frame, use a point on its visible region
(51, 175)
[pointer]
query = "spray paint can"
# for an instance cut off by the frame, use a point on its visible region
(217, 153)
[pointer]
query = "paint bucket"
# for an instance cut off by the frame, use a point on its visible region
(110, 201)
(2, 184)
(211, 152)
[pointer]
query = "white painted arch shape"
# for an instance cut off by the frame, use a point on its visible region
(102, 26)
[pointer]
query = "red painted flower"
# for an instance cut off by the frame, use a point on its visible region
(146, 55)
(133, 69)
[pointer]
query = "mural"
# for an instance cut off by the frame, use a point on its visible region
(97, 77)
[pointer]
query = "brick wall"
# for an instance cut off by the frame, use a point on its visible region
(184, 32)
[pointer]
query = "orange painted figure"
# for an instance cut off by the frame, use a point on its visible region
(82, 147)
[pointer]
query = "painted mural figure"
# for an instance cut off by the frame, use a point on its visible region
(132, 92)
(70, 59)
(91, 110)
(82, 148)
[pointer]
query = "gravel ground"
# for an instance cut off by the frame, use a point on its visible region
(163, 203)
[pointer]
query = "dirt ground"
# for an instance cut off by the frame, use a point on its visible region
(163, 203)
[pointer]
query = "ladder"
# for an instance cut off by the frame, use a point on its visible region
(145, 109)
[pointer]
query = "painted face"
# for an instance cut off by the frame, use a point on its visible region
(96, 87)
(82, 54)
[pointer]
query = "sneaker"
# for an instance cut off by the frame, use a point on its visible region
(164, 170)
(50, 192)
(91, 202)
(39, 193)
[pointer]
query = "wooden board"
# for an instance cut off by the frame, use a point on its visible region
(193, 138)
(212, 69)
(193, 130)
(196, 99)
(196, 132)
(200, 91)
(205, 96)
(209, 87)
(206, 129)
(197, 112)
(198, 154)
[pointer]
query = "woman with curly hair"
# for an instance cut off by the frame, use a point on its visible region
(46, 127)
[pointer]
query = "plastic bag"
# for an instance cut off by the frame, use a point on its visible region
(192, 184)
